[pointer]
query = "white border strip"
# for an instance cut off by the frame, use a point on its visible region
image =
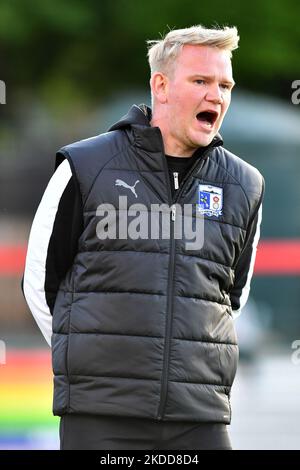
(246, 289)
(40, 234)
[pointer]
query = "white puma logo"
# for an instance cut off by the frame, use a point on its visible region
(122, 183)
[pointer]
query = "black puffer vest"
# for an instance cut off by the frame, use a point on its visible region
(143, 327)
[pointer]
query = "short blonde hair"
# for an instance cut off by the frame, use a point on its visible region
(163, 53)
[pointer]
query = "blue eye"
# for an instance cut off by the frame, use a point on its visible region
(199, 81)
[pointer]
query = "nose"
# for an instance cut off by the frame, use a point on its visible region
(214, 94)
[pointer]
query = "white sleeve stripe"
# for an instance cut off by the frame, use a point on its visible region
(40, 234)
(246, 288)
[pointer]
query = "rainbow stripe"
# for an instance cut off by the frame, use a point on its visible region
(26, 397)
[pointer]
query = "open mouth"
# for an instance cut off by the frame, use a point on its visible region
(208, 117)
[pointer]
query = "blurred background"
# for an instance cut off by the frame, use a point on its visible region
(71, 69)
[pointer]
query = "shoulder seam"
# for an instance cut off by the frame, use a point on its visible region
(238, 182)
(65, 152)
(74, 174)
(102, 168)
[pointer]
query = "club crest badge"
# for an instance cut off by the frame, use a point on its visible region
(210, 200)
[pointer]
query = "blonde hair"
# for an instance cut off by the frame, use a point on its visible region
(163, 53)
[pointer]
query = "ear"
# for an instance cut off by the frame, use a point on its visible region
(159, 86)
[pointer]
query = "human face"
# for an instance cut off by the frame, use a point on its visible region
(198, 93)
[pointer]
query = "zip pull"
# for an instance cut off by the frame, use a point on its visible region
(173, 212)
(176, 182)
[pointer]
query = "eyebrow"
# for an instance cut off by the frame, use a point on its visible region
(210, 77)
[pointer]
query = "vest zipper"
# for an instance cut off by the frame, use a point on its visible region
(176, 182)
(173, 212)
(166, 359)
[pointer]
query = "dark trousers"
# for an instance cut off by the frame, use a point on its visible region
(113, 433)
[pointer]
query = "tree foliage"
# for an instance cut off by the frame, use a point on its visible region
(85, 50)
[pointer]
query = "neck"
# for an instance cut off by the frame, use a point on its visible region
(171, 145)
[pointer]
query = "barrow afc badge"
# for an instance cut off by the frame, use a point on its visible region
(210, 200)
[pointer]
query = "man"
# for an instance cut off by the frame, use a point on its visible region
(143, 342)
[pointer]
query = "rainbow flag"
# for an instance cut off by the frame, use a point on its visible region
(26, 387)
